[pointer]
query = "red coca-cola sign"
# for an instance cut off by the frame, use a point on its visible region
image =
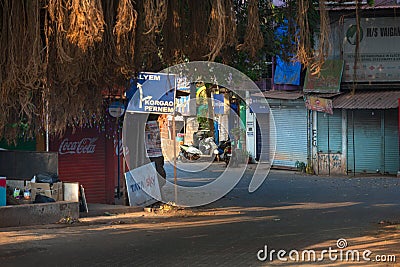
(86, 145)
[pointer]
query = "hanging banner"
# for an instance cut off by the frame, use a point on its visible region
(319, 104)
(155, 93)
(327, 81)
(141, 180)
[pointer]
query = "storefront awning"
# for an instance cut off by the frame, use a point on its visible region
(367, 100)
(287, 95)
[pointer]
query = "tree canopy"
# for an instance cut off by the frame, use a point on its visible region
(57, 56)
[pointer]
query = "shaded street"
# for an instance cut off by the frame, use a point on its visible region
(290, 211)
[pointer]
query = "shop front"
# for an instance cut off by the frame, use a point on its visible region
(289, 116)
(372, 141)
(88, 156)
(329, 154)
(361, 136)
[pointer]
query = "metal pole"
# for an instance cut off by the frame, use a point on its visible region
(47, 127)
(398, 132)
(174, 141)
(118, 160)
(383, 143)
(174, 144)
(308, 137)
(273, 74)
(329, 153)
(354, 146)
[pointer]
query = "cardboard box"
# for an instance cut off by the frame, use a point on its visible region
(54, 191)
(57, 191)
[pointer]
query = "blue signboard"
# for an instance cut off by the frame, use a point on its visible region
(154, 93)
(183, 104)
(219, 107)
(258, 104)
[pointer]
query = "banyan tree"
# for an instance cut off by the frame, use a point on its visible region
(57, 56)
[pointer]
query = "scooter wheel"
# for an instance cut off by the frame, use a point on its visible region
(195, 157)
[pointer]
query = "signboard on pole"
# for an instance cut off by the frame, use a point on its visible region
(139, 181)
(319, 104)
(116, 109)
(155, 93)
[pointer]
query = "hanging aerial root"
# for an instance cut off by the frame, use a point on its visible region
(253, 40)
(86, 23)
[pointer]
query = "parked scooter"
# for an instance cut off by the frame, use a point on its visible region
(224, 151)
(227, 154)
(207, 145)
(188, 152)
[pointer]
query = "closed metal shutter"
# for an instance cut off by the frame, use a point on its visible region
(365, 150)
(333, 139)
(263, 140)
(391, 141)
(291, 133)
(82, 158)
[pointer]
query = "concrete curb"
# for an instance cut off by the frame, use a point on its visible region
(106, 210)
(35, 214)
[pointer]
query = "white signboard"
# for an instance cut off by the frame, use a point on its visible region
(379, 50)
(138, 182)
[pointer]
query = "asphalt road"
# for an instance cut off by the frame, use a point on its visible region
(290, 212)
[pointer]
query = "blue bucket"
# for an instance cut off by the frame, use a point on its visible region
(3, 187)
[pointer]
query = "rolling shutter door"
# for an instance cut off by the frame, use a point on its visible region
(291, 134)
(367, 147)
(81, 158)
(334, 124)
(263, 139)
(391, 141)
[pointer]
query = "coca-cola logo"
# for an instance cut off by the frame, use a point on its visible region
(84, 146)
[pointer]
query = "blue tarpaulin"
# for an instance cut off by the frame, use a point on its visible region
(286, 72)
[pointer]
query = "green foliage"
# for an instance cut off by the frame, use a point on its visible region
(301, 166)
(254, 69)
(238, 132)
(270, 17)
(203, 123)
